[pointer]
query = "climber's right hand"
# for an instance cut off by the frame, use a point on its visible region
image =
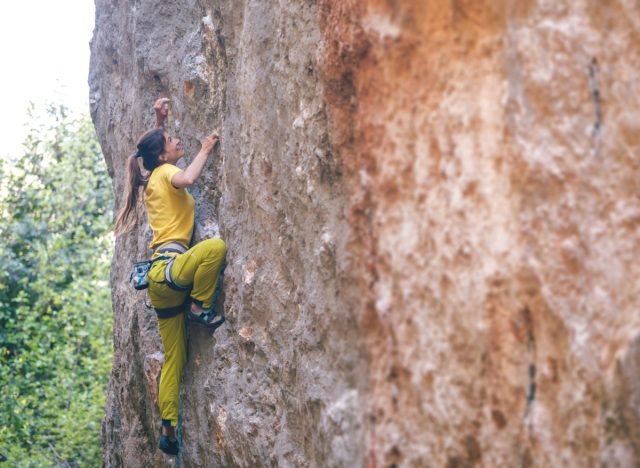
(209, 142)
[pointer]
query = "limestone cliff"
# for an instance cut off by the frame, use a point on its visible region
(431, 213)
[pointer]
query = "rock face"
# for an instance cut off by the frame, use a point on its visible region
(431, 214)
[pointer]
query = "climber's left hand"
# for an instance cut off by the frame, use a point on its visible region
(161, 108)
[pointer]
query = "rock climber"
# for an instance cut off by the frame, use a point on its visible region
(182, 280)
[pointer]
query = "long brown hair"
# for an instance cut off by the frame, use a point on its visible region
(150, 147)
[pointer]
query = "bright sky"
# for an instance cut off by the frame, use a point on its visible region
(44, 52)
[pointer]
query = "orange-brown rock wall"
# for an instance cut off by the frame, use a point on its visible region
(491, 153)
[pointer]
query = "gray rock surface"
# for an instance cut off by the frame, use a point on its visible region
(432, 217)
(279, 383)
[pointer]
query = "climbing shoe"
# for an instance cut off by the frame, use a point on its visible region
(208, 317)
(168, 445)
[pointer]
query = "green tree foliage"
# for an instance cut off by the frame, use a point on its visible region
(55, 306)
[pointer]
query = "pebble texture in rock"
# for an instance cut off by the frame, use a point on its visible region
(431, 215)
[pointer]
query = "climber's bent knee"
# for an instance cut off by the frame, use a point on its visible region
(214, 247)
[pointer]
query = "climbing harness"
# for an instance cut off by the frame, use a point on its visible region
(210, 318)
(177, 248)
(140, 270)
(168, 278)
(173, 248)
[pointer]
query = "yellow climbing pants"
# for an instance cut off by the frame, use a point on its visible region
(174, 342)
(199, 267)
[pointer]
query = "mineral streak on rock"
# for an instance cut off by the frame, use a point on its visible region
(432, 217)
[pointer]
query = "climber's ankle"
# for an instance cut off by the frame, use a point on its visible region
(195, 308)
(169, 431)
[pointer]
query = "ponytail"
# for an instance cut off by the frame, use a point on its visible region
(150, 147)
(135, 181)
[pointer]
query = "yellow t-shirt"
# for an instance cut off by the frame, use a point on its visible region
(170, 210)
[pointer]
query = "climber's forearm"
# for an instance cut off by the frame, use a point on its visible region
(193, 171)
(161, 122)
(188, 177)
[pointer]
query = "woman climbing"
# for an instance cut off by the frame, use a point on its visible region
(180, 278)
